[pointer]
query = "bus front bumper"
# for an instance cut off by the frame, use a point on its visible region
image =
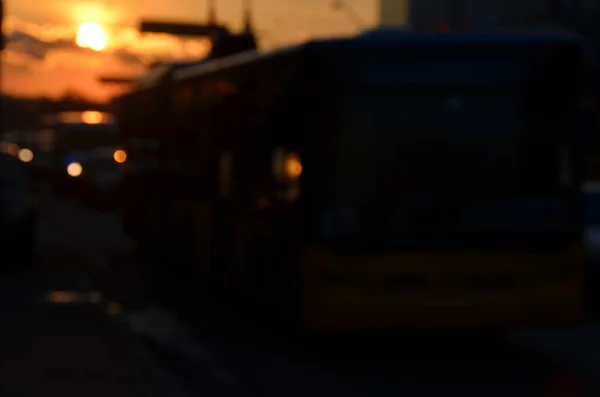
(493, 289)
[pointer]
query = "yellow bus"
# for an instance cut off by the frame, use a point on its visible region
(381, 181)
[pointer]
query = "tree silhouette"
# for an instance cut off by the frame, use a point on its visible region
(74, 100)
(72, 95)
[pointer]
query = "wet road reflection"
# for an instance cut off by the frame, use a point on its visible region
(74, 297)
(58, 331)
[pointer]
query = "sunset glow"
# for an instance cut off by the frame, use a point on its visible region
(91, 35)
(68, 45)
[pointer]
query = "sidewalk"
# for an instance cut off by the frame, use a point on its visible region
(69, 347)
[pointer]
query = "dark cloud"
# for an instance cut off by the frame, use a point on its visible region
(129, 58)
(16, 68)
(32, 46)
(37, 49)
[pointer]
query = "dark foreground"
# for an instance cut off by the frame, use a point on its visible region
(81, 324)
(58, 335)
(57, 339)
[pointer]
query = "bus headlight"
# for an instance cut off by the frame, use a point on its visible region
(74, 169)
(25, 155)
(287, 169)
(120, 156)
(292, 167)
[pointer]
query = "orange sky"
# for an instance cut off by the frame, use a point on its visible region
(42, 58)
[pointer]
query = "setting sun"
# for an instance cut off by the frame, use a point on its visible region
(91, 35)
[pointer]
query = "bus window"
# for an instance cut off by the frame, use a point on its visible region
(468, 126)
(427, 144)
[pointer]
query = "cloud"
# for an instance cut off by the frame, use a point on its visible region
(129, 58)
(45, 60)
(34, 67)
(31, 52)
(42, 58)
(34, 47)
(61, 69)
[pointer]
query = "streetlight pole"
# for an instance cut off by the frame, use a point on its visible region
(341, 5)
(2, 44)
(247, 10)
(212, 13)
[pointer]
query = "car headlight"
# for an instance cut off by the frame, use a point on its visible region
(25, 155)
(120, 156)
(74, 169)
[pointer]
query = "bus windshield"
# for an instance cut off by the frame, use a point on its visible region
(475, 126)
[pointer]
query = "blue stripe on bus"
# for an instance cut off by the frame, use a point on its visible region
(495, 216)
(404, 38)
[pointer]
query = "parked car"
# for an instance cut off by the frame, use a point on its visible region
(88, 158)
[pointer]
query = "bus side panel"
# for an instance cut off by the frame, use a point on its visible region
(268, 119)
(147, 117)
(471, 288)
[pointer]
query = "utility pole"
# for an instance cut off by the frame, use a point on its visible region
(211, 29)
(212, 13)
(189, 29)
(341, 5)
(247, 7)
(224, 41)
(2, 44)
(1, 25)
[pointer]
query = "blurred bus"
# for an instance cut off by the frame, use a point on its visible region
(380, 181)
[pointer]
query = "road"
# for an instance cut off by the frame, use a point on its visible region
(199, 347)
(59, 334)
